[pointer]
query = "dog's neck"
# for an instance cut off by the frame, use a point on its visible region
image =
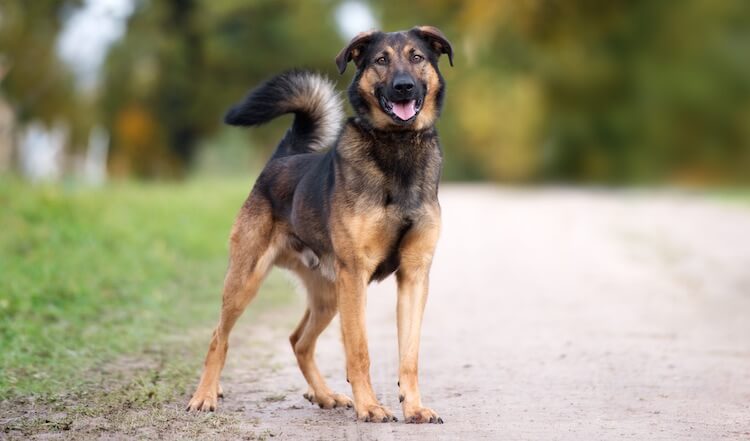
(407, 158)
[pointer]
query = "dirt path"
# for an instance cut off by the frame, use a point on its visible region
(553, 314)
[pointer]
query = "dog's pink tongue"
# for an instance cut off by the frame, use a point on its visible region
(404, 110)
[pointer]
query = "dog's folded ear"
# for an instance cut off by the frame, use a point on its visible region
(437, 40)
(354, 49)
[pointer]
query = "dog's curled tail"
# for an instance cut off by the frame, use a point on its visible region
(311, 97)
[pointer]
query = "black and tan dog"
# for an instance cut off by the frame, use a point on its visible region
(344, 216)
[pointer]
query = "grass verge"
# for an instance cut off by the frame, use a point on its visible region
(116, 283)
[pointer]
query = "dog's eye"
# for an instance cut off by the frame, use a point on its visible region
(382, 61)
(416, 58)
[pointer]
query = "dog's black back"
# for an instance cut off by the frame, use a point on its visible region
(342, 206)
(377, 159)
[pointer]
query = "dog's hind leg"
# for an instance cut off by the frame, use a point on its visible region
(252, 252)
(320, 311)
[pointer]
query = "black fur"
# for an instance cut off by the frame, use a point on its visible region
(304, 183)
(291, 92)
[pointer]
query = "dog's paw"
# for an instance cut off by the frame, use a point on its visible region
(328, 400)
(375, 413)
(203, 401)
(419, 415)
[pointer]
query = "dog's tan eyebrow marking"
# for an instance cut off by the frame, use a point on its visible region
(386, 51)
(410, 50)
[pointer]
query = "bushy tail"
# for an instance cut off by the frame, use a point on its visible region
(311, 97)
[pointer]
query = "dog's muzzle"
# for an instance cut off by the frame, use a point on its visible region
(402, 102)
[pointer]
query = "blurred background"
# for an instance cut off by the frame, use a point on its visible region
(617, 92)
(119, 183)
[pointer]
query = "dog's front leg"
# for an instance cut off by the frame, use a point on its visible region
(413, 274)
(351, 289)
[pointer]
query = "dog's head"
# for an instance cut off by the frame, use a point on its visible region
(398, 85)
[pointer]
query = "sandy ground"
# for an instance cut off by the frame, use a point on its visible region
(553, 314)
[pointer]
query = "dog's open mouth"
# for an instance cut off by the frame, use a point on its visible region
(401, 111)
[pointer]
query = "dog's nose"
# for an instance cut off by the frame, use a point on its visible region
(403, 84)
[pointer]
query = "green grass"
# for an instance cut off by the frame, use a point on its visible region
(737, 195)
(90, 275)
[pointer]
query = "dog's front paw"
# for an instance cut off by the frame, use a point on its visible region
(419, 415)
(203, 401)
(328, 399)
(375, 413)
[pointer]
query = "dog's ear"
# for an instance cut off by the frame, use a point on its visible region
(354, 49)
(436, 39)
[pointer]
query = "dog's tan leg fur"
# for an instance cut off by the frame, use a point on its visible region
(412, 276)
(322, 306)
(351, 291)
(252, 252)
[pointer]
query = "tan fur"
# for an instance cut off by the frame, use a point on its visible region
(253, 249)
(429, 113)
(366, 85)
(416, 258)
(374, 74)
(322, 307)
(381, 216)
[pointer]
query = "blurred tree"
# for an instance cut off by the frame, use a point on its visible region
(38, 85)
(575, 90)
(616, 91)
(184, 62)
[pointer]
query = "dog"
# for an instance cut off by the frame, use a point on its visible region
(342, 204)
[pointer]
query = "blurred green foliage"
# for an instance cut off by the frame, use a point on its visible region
(575, 90)
(38, 84)
(183, 62)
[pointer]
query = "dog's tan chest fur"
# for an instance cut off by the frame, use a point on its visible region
(344, 217)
